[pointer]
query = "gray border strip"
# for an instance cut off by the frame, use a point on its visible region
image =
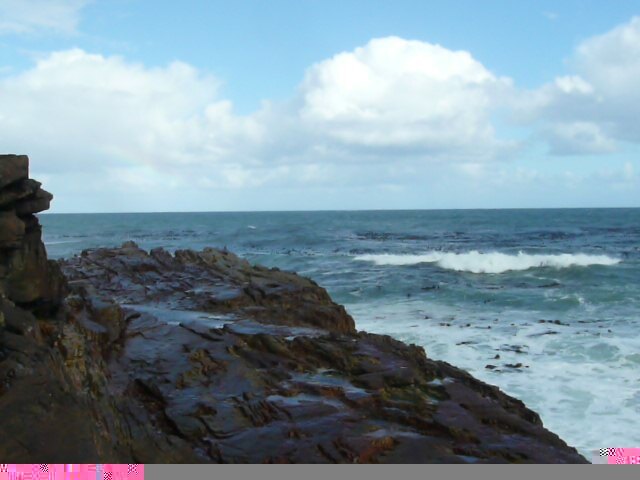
(389, 472)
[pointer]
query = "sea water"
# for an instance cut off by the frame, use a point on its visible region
(544, 304)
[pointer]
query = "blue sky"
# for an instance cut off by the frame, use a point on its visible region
(127, 105)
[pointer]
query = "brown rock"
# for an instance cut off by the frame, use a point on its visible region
(285, 378)
(202, 357)
(27, 277)
(17, 191)
(161, 381)
(210, 281)
(30, 277)
(13, 168)
(11, 230)
(38, 202)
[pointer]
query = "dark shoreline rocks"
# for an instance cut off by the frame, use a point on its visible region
(211, 280)
(149, 357)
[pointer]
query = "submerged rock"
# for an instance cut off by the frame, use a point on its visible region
(191, 357)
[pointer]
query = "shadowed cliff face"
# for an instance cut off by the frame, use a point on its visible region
(26, 276)
(152, 357)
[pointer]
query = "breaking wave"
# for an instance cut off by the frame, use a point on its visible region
(492, 262)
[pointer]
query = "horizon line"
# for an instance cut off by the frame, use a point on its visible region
(338, 210)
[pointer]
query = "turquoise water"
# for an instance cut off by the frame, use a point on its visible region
(554, 293)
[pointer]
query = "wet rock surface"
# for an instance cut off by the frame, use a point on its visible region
(152, 357)
(211, 280)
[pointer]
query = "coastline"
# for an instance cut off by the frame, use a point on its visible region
(202, 357)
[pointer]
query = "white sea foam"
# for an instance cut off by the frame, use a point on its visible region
(492, 262)
(59, 242)
(557, 379)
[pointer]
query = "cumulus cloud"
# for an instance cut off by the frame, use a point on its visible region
(390, 115)
(612, 61)
(35, 16)
(595, 108)
(82, 111)
(402, 97)
(388, 106)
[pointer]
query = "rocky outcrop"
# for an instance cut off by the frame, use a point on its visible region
(211, 280)
(26, 276)
(153, 357)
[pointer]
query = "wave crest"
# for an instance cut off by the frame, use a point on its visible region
(491, 262)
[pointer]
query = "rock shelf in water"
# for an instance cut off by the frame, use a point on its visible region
(121, 355)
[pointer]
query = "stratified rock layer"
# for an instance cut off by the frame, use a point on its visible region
(26, 276)
(201, 357)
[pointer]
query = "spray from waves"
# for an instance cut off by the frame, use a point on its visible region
(492, 262)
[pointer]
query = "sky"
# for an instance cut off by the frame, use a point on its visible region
(140, 106)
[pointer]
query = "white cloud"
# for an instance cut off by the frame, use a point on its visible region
(596, 108)
(389, 115)
(612, 61)
(81, 111)
(403, 97)
(573, 85)
(571, 138)
(387, 107)
(36, 16)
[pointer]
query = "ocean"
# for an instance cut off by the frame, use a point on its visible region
(544, 304)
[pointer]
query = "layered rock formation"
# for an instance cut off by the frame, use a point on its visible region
(152, 357)
(26, 276)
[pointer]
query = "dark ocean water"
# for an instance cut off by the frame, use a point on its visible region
(557, 291)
